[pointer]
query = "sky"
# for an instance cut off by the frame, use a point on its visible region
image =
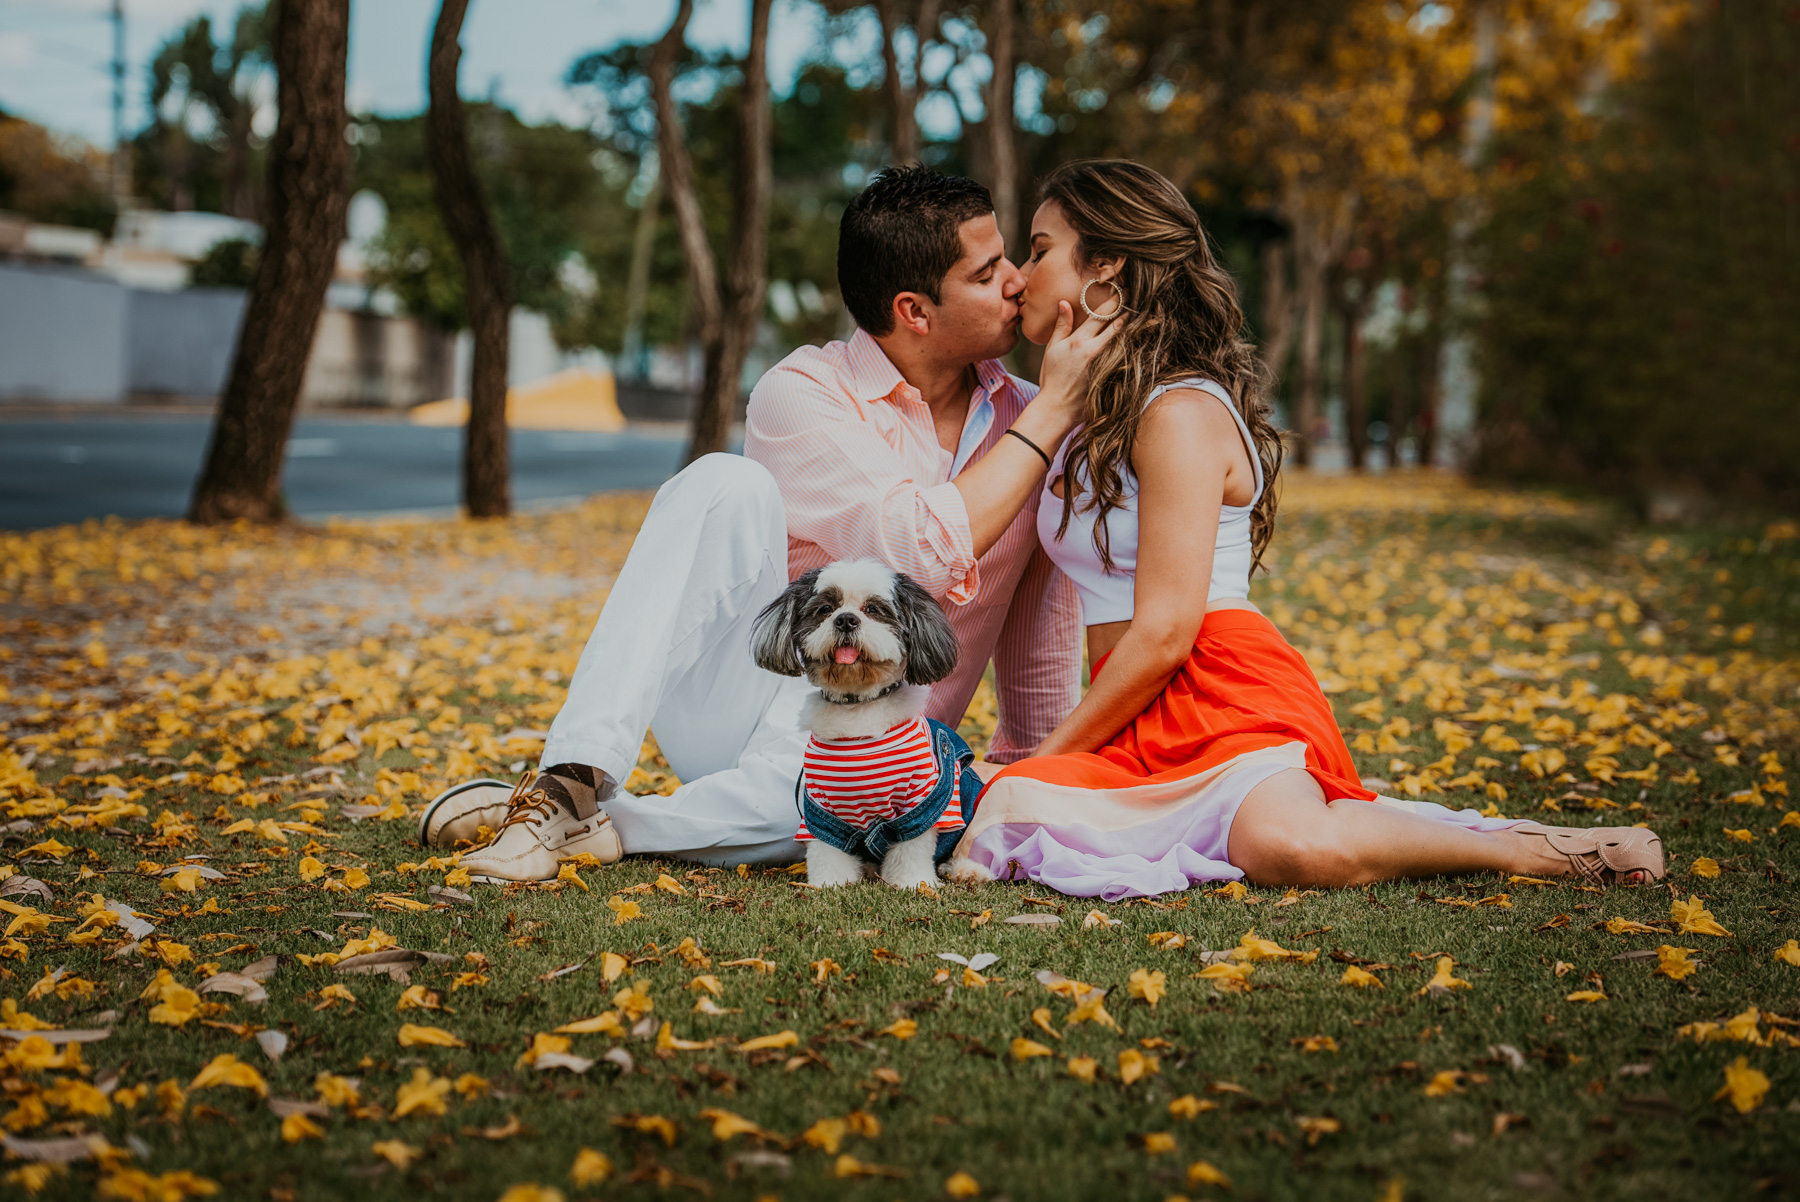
(55, 55)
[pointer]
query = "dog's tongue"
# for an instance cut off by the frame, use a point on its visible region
(847, 655)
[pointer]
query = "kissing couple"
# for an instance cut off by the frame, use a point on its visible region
(1131, 492)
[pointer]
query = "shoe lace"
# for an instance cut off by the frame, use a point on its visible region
(528, 803)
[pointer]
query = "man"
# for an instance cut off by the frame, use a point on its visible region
(894, 445)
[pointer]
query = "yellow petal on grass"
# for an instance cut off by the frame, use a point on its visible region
(1083, 1068)
(183, 880)
(179, 1004)
(605, 1023)
(708, 982)
(311, 869)
(763, 967)
(1706, 867)
(1040, 1018)
(296, 1127)
(417, 997)
(822, 969)
(707, 1006)
(1187, 1106)
(1149, 986)
(1446, 1082)
(847, 1165)
(531, 1191)
(1158, 1142)
(396, 1153)
(1625, 926)
(1316, 1128)
(666, 1041)
(1359, 978)
(635, 1001)
(612, 966)
(1673, 962)
(413, 1035)
(469, 1087)
(1589, 996)
(1744, 1086)
(540, 1045)
(827, 1135)
(1025, 1049)
(1227, 977)
(1134, 1065)
(904, 1028)
(336, 1091)
(1442, 978)
(590, 1168)
(1789, 952)
(623, 911)
(567, 873)
(226, 1069)
(1695, 919)
(763, 1043)
(1202, 1172)
(726, 1126)
(669, 884)
(960, 1185)
(424, 1094)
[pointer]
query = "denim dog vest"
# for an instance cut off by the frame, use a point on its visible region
(872, 844)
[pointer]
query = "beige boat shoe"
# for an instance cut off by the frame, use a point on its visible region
(552, 817)
(458, 814)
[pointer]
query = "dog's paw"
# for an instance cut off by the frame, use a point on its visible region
(963, 871)
(833, 877)
(909, 880)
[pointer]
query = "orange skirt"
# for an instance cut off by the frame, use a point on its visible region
(1242, 689)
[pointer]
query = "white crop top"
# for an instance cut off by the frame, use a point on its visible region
(1109, 597)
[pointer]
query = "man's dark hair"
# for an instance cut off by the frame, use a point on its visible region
(900, 235)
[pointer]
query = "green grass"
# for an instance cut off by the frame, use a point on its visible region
(1025, 1129)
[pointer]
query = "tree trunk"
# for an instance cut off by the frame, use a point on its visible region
(1431, 377)
(728, 315)
(240, 201)
(1003, 171)
(903, 100)
(308, 192)
(1277, 312)
(1356, 417)
(486, 288)
(637, 280)
(1309, 272)
(903, 126)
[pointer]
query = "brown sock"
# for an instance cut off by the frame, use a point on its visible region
(578, 788)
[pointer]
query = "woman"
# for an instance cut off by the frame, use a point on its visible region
(1204, 750)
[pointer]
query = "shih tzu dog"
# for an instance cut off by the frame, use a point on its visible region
(882, 785)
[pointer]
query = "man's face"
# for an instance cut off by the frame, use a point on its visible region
(978, 315)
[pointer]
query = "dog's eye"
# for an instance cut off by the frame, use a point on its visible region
(873, 609)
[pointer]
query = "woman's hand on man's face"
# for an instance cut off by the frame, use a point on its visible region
(1068, 355)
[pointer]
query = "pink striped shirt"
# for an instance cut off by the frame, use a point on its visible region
(855, 451)
(864, 781)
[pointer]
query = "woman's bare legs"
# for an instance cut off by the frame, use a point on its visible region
(1287, 833)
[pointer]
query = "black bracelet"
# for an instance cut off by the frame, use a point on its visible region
(1034, 446)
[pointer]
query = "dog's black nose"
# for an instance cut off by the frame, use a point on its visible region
(846, 622)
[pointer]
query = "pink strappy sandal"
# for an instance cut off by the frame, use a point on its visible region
(1609, 855)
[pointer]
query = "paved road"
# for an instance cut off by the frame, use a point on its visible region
(56, 470)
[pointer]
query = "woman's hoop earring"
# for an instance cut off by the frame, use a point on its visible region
(1118, 294)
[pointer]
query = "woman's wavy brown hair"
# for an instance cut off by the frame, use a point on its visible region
(1182, 320)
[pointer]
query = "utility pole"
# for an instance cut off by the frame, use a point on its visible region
(121, 174)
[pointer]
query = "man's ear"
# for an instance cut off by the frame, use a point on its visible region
(913, 313)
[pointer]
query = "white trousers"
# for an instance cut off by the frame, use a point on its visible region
(671, 653)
